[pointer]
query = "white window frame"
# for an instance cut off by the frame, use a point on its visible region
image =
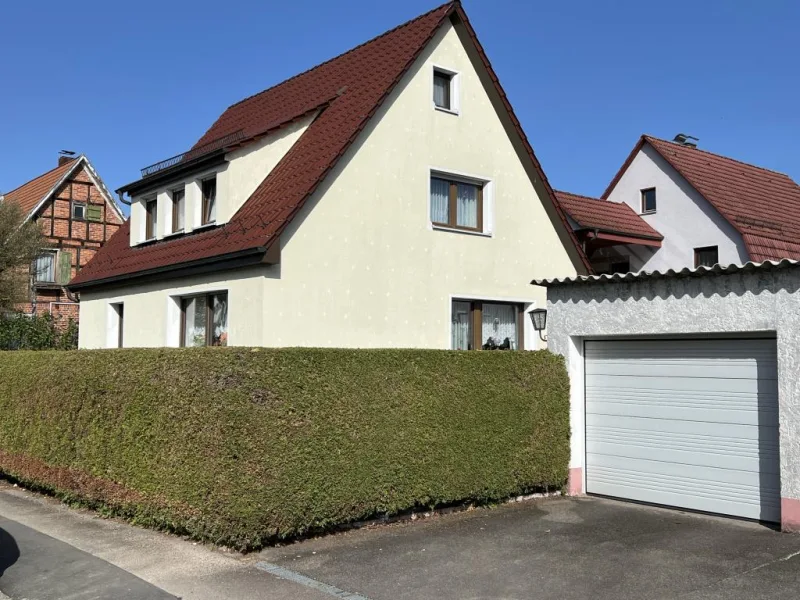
(51, 252)
(113, 323)
(168, 222)
(455, 90)
(75, 204)
(488, 199)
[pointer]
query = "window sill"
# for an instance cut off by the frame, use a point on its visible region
(457, 230)
(647, 212)
(174, 233)
(205, 226)
(449, 111)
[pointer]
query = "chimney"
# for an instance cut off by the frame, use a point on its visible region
(64, 156)
(686, 140)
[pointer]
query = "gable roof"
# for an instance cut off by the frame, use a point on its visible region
(606, 216)
(31, 196)
(347, 90)
(762, 205)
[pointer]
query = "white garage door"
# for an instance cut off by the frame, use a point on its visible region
(687, 423)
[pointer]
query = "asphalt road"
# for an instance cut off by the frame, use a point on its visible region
(37, 566)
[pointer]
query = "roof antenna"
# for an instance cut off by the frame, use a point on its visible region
(687, 140)
(66, 152)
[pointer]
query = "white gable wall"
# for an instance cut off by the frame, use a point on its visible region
(685, 219)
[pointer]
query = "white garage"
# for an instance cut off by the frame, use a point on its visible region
(685, 387)
(686, 423)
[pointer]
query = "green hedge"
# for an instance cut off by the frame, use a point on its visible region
(36, 332)
(245, 447)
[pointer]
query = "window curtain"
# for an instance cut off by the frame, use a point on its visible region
(195, 333)
(441, 91)
(499, 326)
(467, 205)
(179, 198)
(461, 330)
(220, 320)
(44, 267)
(440, 200)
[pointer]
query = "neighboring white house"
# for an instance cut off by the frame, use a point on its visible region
(386, 198)
(703, 208)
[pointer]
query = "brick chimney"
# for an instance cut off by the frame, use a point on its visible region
(63, 159)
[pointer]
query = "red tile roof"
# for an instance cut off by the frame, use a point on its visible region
(763, 205)
(30, 194)
(608, 217)
(350, 88)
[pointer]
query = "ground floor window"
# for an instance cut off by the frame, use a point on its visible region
(486, 325)
(204, 320)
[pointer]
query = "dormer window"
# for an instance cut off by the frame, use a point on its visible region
(445, 90)
(151, 222)
(178, 210)
(209, 187)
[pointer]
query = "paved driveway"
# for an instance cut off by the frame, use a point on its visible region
(556, 548)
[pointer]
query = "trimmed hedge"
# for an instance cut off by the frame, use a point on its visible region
(36, 332)
(245, 447)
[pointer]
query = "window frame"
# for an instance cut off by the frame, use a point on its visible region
(175, 212)
(645, 210)
(150, 219)
(204, 200)
(452, 201)
(119, 311)
(78, 204)
(54, 256)
(454, 90)
(183, 301)
(698, 251)
(476, 321)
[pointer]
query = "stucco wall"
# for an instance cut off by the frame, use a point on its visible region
(685, 219)
(361, 266)
(740, 303)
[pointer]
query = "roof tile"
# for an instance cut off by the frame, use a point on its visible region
(610, 217)
(30, 194)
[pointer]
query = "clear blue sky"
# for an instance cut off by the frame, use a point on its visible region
(131, 83)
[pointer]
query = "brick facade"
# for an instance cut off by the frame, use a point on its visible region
(73, 239)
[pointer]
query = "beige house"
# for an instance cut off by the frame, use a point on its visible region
(385, 198)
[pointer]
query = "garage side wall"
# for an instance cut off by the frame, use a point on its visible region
(760, 301)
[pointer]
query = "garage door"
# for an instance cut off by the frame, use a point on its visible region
(687, 423)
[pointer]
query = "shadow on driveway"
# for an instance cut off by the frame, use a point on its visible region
(9, 551)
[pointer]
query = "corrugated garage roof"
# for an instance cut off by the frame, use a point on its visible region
(767, 265)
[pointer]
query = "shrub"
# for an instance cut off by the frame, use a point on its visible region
(36, 332)
(246, 447)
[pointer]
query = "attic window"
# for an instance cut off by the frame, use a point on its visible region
(445, 90)
(79, 211)
(649, 200)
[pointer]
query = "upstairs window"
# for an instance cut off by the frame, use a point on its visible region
(441, 89)
(151, 219)
(79, 211)
(204, 320)
(649, 200)
(706, 257)
(178, 210)
(44, 268)
(456, 204)
(209, 200)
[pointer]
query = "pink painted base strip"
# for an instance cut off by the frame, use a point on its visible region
(575, 481)
(790, 515)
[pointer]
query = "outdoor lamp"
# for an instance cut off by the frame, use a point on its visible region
(539, 319)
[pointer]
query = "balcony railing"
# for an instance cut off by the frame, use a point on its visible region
(194, 153)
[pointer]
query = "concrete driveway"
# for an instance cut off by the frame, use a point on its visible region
(559, 548)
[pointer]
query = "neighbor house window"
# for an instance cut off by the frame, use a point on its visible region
(706, 257)
(443, 89)
(178, 210)
(79, 211)
(204, 320)
(151, 219)
(209, 200)
(649, 200)
(456, 204)
(44, 268)
(478, 325)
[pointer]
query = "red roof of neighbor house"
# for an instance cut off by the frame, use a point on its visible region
(349, 89)
(28, 195)
(609, 217)
(763, 205)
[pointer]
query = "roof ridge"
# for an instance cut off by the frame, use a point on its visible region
(596, 199)
(346, 52)
(715, 154)
(42, 175)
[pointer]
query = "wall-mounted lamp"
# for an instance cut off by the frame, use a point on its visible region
(539, 320)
